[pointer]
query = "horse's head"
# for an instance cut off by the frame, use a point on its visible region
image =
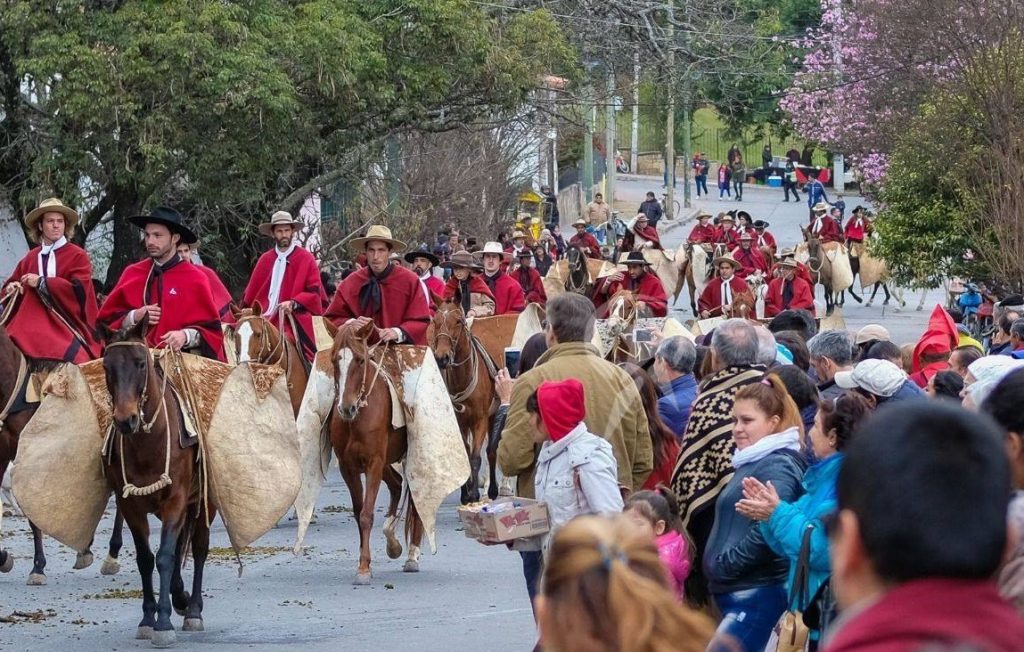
(351, 352)
(579, 276)
(130, 374)
(446, 329)
(256, 339)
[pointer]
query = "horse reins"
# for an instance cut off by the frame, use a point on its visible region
(266, 353)
(12, 300)
(364, 393)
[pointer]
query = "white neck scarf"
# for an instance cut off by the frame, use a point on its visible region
(277, 277)
(426, 290)
(788, 439)
(51, 262)
(817, 224)
(727, 292)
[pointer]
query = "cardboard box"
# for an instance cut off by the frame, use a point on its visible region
(505, 519)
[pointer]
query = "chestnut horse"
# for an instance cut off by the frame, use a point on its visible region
(151, 473)
(366, 443)
(258, 340)
(12, 379)
(471, 389)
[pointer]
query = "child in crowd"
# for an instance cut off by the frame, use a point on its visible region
(660, 510)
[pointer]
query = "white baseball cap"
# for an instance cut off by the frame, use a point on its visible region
(872, 332)
(879, 377)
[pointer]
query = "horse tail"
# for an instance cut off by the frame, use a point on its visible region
(188, 529)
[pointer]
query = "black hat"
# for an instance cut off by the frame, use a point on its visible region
(745, 214)
(422, 253)
(761, 224)
(634, 258)
(170, 218)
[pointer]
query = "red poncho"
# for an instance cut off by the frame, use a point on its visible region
(711, 298)
(827, 229)
(220, 293)
(435, 290)
(647, 288)
(35, 326)
(765, 240)
(401, 302)
(301, 285)
(184, 297)
(508, 294)
(854, 230)
(629, 241)
(802, 299)
(587, 243)
(730, 237)
(750, 261)
(532, 284)
(701, 234)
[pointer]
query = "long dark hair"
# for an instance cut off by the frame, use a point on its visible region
(662, 438)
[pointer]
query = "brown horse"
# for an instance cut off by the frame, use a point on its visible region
(366, 443)
(151, 473)
(258, 340)
(471, 389)
(14, 416)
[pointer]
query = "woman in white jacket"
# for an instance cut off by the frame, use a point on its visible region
(576, 469)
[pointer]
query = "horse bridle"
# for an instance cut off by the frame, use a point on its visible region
(280, 349)
(365, 392)
(454, 341)
(460, 397)
(147, 427)
(570, 283)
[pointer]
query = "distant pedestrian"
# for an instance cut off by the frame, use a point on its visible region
(700, 173)
(766, 158)
(724, 176)
(739, 176)
(598, 211)
(789, 182)
(651, 207)
(734, 153)
(815, 193)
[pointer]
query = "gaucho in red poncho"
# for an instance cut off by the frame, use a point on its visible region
(650, 293)
(287, 280)
(54, 316)
(172, 294)
(508, 294)
(387, 293)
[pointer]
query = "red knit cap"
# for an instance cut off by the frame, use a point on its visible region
(561, 406)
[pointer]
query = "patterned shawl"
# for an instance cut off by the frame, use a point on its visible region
(704, 465)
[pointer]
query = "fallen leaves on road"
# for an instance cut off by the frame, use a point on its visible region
(115, 594)
(16, 617)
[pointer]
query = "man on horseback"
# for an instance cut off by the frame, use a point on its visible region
(529, 279)
(718, 296)
(856, 229)
(704, 232)
(726, 234)
(423, 263)
(286, 282)
(51, 292)
(221, 295)
(801, 269)
(646, 287)
(466, 288)
(508, 294)
(788, 291)
(641, 235)
(387, 294)
(764, 239)
(584, 241)
(171, 294)
(822, 226)
(519, 246)
(751, 260)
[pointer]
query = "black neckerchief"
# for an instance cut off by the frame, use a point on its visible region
(492, 281)
(370, 295)
(157, 274)
(787, 293)
(464, 295)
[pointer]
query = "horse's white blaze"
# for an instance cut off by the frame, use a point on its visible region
(244, 335)
(344, 360)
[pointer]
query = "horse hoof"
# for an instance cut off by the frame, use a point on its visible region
(110, 566)
(411, 566)
(181, 611)
(8, 564)
(144, 633)
(869, 304)
(919, 308)
(193, 625)
(885, 303)
(165, 638)
(83, 560)
(394, 548)
(362, 579)
(36, 579)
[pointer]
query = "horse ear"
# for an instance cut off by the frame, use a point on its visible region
(235, 311)
(331, 329)
(438, 300)
(104, 332)
(138, 330)
(257, 307)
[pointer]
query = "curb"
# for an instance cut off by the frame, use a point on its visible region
(690, 215)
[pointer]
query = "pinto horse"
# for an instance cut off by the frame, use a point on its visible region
(258, 340)
(14, 368)
(471, 389)
(366, 443)
(151, 473)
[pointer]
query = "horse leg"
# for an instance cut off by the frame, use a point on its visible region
(493, 439)
(414, 534)
(354, 482)
(478, 434)
(179, 596)
(200, 550)
(393, 481)
(138, 525)
(38, 575)
(374, 476)
(166, 556)
(874, 291)
(855, 266)
(6, 561)
(110, 565)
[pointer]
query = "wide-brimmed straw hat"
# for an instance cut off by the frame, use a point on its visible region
(704, 213)
(170, 218)
(746, 235)
(492, 248)
(280, 218)
(463, 259)
(51, 205)
(727, 218)
(727, 258)
(820, 207)
(788, 262)
(377, 232)
(788, 252)
(579, 222)
(422, 253)
(516, 235)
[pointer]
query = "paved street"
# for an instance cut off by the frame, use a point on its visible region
(766, 204)
(467, 597)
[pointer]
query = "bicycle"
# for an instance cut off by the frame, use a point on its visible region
(676, 206)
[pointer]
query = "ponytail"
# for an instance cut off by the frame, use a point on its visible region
(773, 399)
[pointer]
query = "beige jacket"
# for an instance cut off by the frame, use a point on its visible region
(613, 407)
(481, 304)
(598, 213)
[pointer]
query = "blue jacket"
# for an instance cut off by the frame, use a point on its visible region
(909, 391)
(674, 407)
(784, 531)
(816, 193)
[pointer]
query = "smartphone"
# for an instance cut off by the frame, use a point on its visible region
(512, 360)
(642, 335)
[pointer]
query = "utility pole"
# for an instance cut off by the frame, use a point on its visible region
(687, 93)
(670, 121)
(634, 144)
(588, 149)
(609, 140)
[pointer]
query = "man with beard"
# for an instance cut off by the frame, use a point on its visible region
(584, 241)
(650, 294)
(508, 294)
(286, 284)
(529, 279)
(788, 291)
(423, 263)
(386, 294)
(55, 313)
(171, 294)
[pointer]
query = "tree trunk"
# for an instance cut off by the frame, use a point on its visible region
(127, 246)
